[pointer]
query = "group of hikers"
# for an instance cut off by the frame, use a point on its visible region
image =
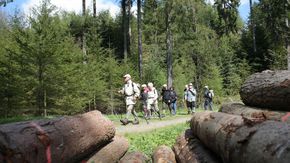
(148, 95)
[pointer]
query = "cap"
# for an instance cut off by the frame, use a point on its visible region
(164, 85)
(206, 87)
(190, 84)
(143, 85)
(127, 76)
(150, 84)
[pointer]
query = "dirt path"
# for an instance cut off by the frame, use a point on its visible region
(144, 127)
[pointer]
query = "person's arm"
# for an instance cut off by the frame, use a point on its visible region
(122, 91)
(136, 91)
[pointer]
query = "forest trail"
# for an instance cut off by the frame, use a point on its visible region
(153, 124)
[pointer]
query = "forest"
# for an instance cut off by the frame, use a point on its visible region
(63, 63)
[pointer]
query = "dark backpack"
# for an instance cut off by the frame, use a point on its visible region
(166, 96)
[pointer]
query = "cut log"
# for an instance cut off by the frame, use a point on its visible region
(65, 139)
(112, 152)
(134, 157)
(163, 154)
(268, 89)
(189, 149)
(253, 112)
(240, 140)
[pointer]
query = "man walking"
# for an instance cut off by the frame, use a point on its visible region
(131, 92)
(190, 98)
(207, 98)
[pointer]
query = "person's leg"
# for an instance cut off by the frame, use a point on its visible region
(205, 105)
(210, 106)
(188, 107)
(193, 106)
(174, 108)
(157, 109)
(129, 111)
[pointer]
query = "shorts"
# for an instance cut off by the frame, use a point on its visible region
(190, 104)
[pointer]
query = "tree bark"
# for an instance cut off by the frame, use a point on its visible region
(237, 139)
(94, 8)
(84, 34)
(169, 48)
(112, 152)
(268, 89)
(134, 157)
(189, 149)
(139, 39)
(163, 154)
(125, 28)
(252, 112)
(65, 139)
(253, 27)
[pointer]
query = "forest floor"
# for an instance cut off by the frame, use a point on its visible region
(153, 124)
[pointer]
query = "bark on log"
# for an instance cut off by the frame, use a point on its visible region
(189, 149)
(134, 157)
(268, 89)
(163, 154)
(65, 139)
(112, 152)
(253, 112)
(239, 140)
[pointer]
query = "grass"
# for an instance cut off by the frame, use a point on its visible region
(147, 142)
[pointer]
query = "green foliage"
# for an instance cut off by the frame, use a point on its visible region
(147, 142)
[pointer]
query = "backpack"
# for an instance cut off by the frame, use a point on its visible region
(166, 96)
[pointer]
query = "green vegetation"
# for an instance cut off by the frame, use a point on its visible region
(64, 63)
(147, 142)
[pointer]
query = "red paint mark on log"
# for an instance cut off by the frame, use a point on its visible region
(44, 139)
(285, 117)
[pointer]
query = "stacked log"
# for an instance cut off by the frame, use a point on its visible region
(253, 112)
(135, 157)
(66, 139)
(236, 139)
(163, 154)
(188, 148)
(268, 89)
(253, 132)
(112, 152)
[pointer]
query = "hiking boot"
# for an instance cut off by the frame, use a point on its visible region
(124, 121)
(135, 122)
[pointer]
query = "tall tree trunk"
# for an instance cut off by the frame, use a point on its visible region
(124, 16)
(253, 27)
(287, 40)
(139, 39)
(84, 35)
(129, 34)
(169, 44)
(94, 8)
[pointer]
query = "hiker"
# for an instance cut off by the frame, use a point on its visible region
(173, 100)
(143, 98)
(131, 92)
(184, 95)
(163, 90)
(190, 97)
(166, 97)
(208, 95)
(152, 99)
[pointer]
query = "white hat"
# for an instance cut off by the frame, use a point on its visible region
(127, 76)
(206, 87)
(143, 85)
(190, 84)
(150, 84)
(164, 85)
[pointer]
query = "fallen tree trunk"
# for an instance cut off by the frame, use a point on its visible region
(189, 149)
(66, 139)
(163, 154)
(112, 152)
(134, 157)
(268, 89)
(240, 140)
(252, 112)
